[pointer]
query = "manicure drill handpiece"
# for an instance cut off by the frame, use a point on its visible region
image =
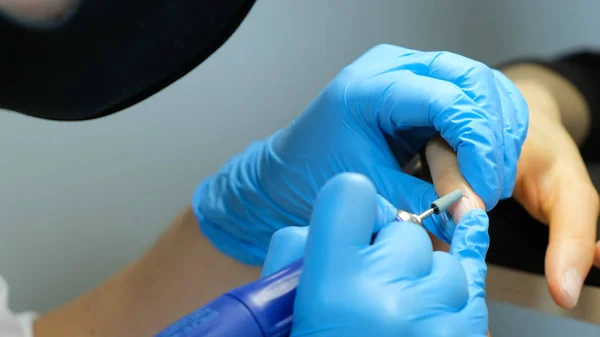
(438, 206)
(264, 308)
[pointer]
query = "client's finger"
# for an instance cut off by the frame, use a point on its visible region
(572, 212)
(446, 177)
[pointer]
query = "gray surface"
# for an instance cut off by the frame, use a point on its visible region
(511, 321)
(78, 201)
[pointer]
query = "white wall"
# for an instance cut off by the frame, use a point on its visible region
(77, 201)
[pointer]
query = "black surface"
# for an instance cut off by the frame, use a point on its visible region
(110, 54)
(582, 69)
(519, 241)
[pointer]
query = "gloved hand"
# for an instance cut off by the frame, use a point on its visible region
(395, 286)
(371, 119)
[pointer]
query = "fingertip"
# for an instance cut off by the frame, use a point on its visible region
(290, 237)
(343, 216)
(471, 238)
(572, 246)
(564, 287)
(476, 220)
(356, 179)
(286, 246)
(407, 232)
(567, 264)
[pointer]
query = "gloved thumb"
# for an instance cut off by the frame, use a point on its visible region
(286, 246)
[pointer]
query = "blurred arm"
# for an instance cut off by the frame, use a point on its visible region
(37, 10)
(179, 274)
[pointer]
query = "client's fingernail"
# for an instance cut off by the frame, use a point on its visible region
(462, 207)
(571, 284)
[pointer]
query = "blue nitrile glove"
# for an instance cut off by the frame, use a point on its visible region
(395, 286)
(374, 115)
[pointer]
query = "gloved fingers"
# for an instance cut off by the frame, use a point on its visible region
(520, 126)
(516, 116)
(413, 195)
(447, 285)
(286, 246)
(438, 326)
(379, 55)
(474, 78)
(572, 211)
(342, 221)
(470, 244)
(446, 177)
(386, 213)
(478, 82)
(406, 100)
(406, 249)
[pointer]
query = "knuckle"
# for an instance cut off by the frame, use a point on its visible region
(446, 95)
(348, 72)
(482, 68)
(290, 232)
(469, 66)
(585, 191)
(383, 47)
(504, 81)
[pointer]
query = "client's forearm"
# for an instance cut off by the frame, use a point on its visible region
(180, 273)
(547, 92)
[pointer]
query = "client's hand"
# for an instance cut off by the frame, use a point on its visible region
(392, 285)
(554, 186)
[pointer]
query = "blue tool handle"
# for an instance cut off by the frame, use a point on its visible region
(263, 308)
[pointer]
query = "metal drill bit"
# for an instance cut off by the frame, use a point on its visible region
(437, 206)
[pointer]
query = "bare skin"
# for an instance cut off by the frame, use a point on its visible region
(37, 10)
(179, 274)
